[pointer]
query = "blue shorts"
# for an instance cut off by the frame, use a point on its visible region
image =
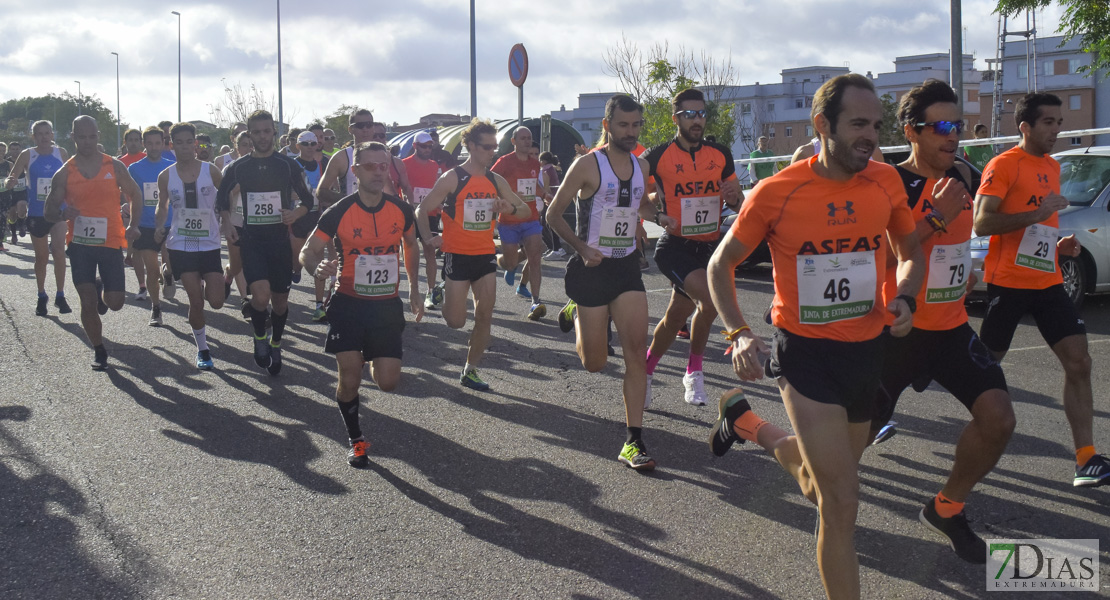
(514, 233)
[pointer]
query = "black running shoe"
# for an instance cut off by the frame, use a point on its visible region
(101, 307)
(963, 540)
(566, 317)
(100, 359)
(635, 456)
(356, 457)
(62, 306)
(246, 309)
(731, 407)
(275, 360)
(262, 352)
(1093, 474)
(40, 308)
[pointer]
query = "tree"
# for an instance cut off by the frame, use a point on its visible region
(1088, 19)
(238, 103)
(656, 77)
(17, 115)
(891, 133)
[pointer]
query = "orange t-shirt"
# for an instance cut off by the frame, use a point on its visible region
(689, 182)
(940, 303)
(1025, 258)
(828, 245)
(423, 175)
(468, 217)
(375, 233)
(523, 178)
(97, 199)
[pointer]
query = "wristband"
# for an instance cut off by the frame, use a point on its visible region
(733, 335)
(936, 221)
(909, 300)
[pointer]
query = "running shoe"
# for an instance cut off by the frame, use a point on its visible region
(296, 276)
(510, 276)
(40, 308)
(647, 394)
(684, 333)
(566, 317)
(275, 359)
(471, 380)
(169, 288)
(246, 309)
(101, 307)
(885, 433)
(100, 359)
(732, 406)
(522, 291)
(142, 295)
(356, 456)
(262, 355)
(429, 301)
(204, 360)
(319, 315)
(1093, 474)
(963, 540)
(62, 306)
(635, 456)
(695, 388)
(155, 316)
(556, 255)
(437, 294)
(538, 311)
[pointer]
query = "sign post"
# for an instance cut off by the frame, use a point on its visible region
(518, 72)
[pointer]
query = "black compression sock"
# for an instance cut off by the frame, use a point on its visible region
(258, 320)
(350, 418)
(634, 434)
(278, 322)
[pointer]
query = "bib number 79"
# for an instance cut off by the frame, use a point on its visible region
(837, 290)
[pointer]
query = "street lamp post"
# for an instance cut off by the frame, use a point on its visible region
(79, 107)
(281, 118)
(174, 12)
(119, 130)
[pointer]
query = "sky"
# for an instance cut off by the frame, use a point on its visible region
(404, 59)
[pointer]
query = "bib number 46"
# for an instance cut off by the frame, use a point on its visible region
(838, 290)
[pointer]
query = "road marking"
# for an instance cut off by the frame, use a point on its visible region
(1102, 341)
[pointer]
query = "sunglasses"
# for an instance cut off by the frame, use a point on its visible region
(488, 147)
(328, 138)
(204, 146)
(311, 144)
(363, 125)
(691, 114)
(943, 127)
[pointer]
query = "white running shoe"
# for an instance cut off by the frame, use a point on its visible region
(695, 388)
(647, 397)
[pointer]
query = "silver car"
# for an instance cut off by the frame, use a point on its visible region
(1085, 182)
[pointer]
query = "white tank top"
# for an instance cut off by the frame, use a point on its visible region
(607, 220)
(351, 181)
(195, 226)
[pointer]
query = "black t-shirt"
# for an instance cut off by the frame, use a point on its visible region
(259, 179)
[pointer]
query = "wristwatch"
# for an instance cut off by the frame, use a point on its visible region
(909, 300)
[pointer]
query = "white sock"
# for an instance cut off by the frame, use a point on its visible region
(199, 336)
(467, 368)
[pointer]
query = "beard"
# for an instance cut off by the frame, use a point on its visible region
(690, 134)
(845, 154)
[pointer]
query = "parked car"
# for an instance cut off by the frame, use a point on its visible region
(1085, 182)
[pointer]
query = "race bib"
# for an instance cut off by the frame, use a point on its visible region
(43, 185)
(419, 194)
(150, 193)
(526, 189)
(193, 222)
(376, 275)
(90, 231)
(618, 227)
(1038, 248)
(949, 268)
(477, 214)
(835, 287)
(263, 208)
(700, 215)
(20, 184)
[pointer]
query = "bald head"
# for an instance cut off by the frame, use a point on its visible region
(86, 135)
(522, 142)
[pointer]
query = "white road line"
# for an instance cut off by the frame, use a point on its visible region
(1044, 347)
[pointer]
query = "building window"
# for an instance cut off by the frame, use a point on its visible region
(1023, 71)
(1074, 101)
(799, 103)
(809, 131)
(1049, 68)
(1076, 141)
(745, 108)
(1073, 65)
(770, 107)
(771, 133)
(789, 131)
(972, 95)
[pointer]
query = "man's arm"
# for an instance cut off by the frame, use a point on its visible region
(911, 273)
(412, 271)
(19, 168)
(133, 194)
(989, 221)
(432, 202)
(163, 202)
(403, 172)
(300, 187)
(505, 194)
(312, 253)
(52, 210)
(330, 179)
(747, 348)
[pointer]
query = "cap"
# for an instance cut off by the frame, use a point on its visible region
(422, 138)
(307, 136)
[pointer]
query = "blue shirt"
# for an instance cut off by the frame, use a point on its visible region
(40, 167)
(145, 172)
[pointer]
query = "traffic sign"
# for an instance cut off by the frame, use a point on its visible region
(518, 65)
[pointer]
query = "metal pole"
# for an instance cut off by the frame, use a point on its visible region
(119, 130)
(520, 105)
(79, 103)
(955, 52)
(473, 67)
(178, 64)
(281, 118)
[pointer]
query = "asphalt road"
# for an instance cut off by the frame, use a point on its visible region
(154, 480)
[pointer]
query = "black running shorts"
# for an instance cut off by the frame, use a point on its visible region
(86, 261)
(600, 285)
(830, 371)
(1054, 313)
(468, 267)
(373, 327)
(954, 358)
(204, 262)
(146, 240)
(302, 227)
(677, 257)
(39, 227)
(268, 260)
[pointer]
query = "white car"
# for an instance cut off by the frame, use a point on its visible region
(1085, 182)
